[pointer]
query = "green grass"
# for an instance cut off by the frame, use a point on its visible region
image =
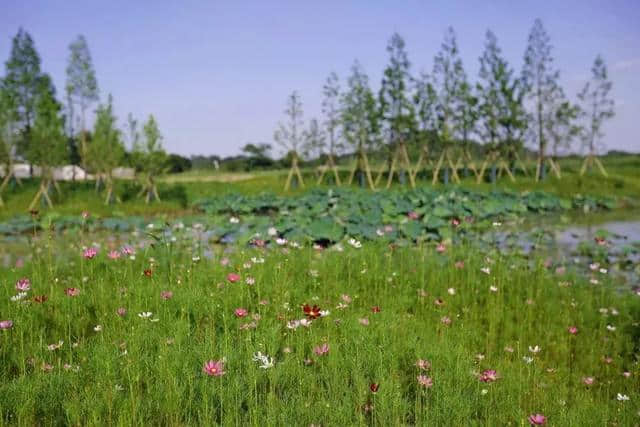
(136, 372)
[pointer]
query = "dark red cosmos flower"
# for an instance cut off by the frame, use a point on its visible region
(40, 298)
(148, 272)
(311, 312)
(375, 309)
(374, 387)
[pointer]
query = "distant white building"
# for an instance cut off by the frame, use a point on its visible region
(124, 173)
(69, 173)
(64, 173)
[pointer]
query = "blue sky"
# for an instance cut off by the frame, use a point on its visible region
(216, 74)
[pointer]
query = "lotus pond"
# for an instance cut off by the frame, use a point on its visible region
(329, 308)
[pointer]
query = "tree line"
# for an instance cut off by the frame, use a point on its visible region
(37, 127)
(445, 112)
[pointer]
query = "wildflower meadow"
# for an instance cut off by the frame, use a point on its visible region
(155, 326)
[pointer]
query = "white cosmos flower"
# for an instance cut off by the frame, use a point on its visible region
(535, 349)
(145, 314)
(272, 231)
(611, 328)
(265, 361)
(527, 359)
(305, 322)
(486, 270)
(19, 296)
(622, 397)
(355, 243)
(234, 220)
(293, 324)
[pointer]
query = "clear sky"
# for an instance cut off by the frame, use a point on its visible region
(216, 74)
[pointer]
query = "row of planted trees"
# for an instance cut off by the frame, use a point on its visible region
(444, 116)
(36, 127)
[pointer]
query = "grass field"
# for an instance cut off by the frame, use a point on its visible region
(162, 326)
(89, 355)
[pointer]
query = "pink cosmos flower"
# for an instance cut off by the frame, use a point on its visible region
(166, 295)
(364, 321)
(446, 320)
(441, 248)
(241, 312)
(233, 277)
(459, 264)
(488, 376)
(46, 367)
(121, 311)
(224, 261)
(90, 253)
(114, 254)
(413, 215)
(85, 214)
(23, 284)
(346, 298)
(128, 250)
(573, 330)
(588, 380)
(214, 368)
(425, 381)
(626, 374)
(424, 365)
(537, 419)
(72, 292)
(322, 349)
(6, 324)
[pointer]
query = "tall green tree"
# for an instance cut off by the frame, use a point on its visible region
(493, 75)
(502, 114)
(106, 151)
(314, 140)
(48, 145)
(449, 81)
(396, 108)
(23, 83)
(81, 88)
(564, 128)
(425, 101)
(541, 81)
(448, 76)
(6, 140)
(332, 125)
(597, 105)
(150, 157)
(289, 136)
(331, 112)
(360, 121)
